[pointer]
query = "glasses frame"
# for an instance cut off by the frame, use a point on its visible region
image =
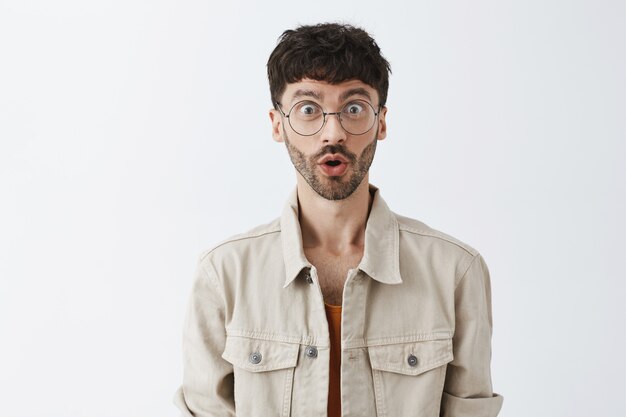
(337, 113)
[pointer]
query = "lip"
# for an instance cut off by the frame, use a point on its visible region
(332, 157)
(335, 171)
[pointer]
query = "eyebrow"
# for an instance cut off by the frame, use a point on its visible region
(306, 93)
(359, 91)
(355, 92)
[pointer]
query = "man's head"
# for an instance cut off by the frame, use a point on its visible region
(328, 52)
(329, 85)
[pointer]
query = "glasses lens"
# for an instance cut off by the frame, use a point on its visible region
(357, 117)
(306, 118)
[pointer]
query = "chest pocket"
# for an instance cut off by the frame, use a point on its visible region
(408, 377)
(263, 375)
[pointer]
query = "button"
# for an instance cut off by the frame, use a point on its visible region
(311, 351)
(412, 360)
(307, 276)
(255, 357)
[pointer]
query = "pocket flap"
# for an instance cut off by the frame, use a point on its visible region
(259, 355)
(411, 358)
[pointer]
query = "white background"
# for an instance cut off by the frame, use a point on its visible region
(134, 135)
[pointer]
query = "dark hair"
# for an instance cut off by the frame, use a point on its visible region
(328, 52)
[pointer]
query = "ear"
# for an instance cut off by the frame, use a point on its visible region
(277, 125)
(382, 124)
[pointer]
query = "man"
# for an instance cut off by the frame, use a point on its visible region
(339, 306)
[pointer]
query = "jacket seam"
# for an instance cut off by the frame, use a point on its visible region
(352, 344)
(422, 233)
(211, 274)
(385, 341)
(275, 337)
(235, 239)
(466, 270)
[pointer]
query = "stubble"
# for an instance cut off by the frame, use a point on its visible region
(333, 187)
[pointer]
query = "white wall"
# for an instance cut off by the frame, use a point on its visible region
(134, 134)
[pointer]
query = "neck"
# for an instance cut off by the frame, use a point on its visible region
(334, 226)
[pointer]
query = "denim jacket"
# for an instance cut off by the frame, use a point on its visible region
(416, 326)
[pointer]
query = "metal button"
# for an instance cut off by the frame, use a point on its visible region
(311, 351)
(412, 360)
(255, 357)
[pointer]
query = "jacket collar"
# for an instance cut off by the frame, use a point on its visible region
(381, 256)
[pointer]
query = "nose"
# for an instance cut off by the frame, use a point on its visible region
(332, 130)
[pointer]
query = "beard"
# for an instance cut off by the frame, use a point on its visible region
(333, 187)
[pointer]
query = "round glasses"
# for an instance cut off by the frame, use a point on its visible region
(307, 117)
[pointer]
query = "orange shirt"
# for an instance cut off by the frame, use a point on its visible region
(333, 314)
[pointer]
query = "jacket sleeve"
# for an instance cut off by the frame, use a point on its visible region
(467, 390)
(207, 388)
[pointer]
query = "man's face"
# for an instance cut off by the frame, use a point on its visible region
(307, 152)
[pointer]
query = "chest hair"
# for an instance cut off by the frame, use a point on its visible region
(332, 272)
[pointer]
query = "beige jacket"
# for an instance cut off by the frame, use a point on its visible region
(415, 329)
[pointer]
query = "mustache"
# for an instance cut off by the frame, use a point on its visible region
(336, 149)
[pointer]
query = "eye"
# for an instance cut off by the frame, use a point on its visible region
(307, 109)
(354, 108)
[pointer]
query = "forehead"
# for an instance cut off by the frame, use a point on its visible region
(325, 92)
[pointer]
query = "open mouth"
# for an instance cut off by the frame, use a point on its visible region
(334, 167)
